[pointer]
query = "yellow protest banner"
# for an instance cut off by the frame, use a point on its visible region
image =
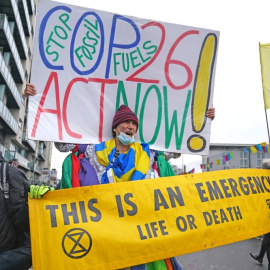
(119, 225)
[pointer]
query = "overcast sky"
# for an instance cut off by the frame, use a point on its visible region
(238, 98)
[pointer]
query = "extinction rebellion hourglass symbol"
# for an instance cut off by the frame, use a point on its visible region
(76, 243)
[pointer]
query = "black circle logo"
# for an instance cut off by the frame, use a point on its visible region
(76, 243)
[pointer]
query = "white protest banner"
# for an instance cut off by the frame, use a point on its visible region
(87, 63)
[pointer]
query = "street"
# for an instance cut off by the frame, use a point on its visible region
(231, 257)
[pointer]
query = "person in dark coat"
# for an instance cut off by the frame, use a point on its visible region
(15, 247)
(265, 246)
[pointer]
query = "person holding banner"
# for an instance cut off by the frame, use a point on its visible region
(15, 246)
(259, 257)
(267, 241)
(265, 246)
(117, 160)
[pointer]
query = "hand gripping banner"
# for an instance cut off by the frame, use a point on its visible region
(119, 225)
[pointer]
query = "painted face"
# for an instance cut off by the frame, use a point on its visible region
(128, 127)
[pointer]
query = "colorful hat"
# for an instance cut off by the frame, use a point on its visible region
(124, 113)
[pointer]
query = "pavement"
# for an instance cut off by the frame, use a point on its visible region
(234, 256)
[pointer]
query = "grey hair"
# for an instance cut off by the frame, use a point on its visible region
(266, 164)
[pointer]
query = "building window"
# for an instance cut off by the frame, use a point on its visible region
(225, 164)
(260, 157)
(23, 99)
(41, 145)
(244, 159)
(24, 153)
(2, 137)
(2, 92)
(12, 147)
(20, 123)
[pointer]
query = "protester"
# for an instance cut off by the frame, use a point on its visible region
(117, 160)
(265, 246)
(259, 257)
(15, 247)
(267, 239)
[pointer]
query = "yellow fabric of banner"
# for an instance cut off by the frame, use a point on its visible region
(265, 69)
(118, 225)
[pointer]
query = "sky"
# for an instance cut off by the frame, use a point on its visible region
(238, 96)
